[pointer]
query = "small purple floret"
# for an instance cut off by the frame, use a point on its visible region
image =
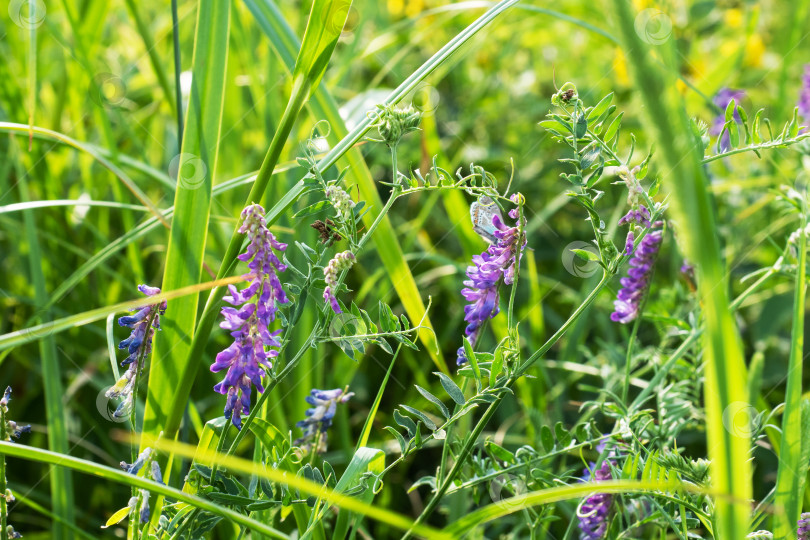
(722, 99)
(594, 512)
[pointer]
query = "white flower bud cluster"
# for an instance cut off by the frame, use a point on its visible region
(341, 200)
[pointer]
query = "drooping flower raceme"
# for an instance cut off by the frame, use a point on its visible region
(146, 461)
(483, 277)
(722, 99)
(804, 526)
(804, 95)
(342, 261)
(11, 429)
(594, 511)
(319, 417)
(144, 323)
(255, 308)
(635, 284)
(8, 429)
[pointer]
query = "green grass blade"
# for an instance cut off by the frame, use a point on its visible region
(63, 461)
(790, 475)
(171, 371)
(691, 209)
(551, 495)
(55, 413)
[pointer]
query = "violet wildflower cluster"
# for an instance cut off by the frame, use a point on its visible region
(145, 461)
(804, 526)
(722, 99)
(256, 307)
(500, 260)
(319, 417)
(594, 512)
(342, 261)
(11, 429)
(635, 284)
(143, 323)
(804, 95)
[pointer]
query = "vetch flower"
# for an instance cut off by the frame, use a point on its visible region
(500, 260)
(722, 99)
(342, 261)
(11, 430)
(634, 286)
(256, 307)
(804, 95)
(143, 323)
(145, 461)
(319, 417)
(594, 511)
(804, 526)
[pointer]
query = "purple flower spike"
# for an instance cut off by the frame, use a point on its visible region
(319, 417)
(138, 345)
(500, 260)
(722, 99)
(804, 527)
(594, 512)
(12, 429)
(634, 286)
(804, 95)
(255, 308)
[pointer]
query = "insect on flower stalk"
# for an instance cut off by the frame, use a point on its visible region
(255, 308)
(144, 323)
(499, 261)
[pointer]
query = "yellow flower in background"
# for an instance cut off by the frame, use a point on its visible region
(408, 8)
(642, 4)
(620, 67)
(733, 18)
(754, 49)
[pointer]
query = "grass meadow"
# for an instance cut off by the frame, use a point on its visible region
(404, 269)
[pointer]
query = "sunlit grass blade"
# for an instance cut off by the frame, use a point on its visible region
(55, 413)
(34, 333)
(695, 224)
(171, 372)
(791, 476)
(89, 149)
(556, 494)
(64, 462)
